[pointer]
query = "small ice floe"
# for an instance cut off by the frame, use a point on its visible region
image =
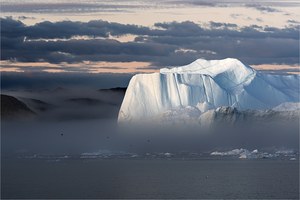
(267, 155)
(293, 159)
(168, 154)
(285, 152)
(255, 154)
(56, 160)
(32, 156)
(63, 157)
(149, 155)
(255, 151)
(159, 155)
(234, 152)
(165, 155)
(240, 153)
(243, 156)
(46, 156)
(107, 154)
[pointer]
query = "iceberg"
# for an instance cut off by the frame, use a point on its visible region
(206, 85)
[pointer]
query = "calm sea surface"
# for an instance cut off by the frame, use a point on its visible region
(125, 178)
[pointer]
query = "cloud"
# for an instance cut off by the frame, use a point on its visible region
(185, 51)
(67, 29)
(116, 6)
(161, 45)
(25, 17)
(261, 8)
(42, 80)
(278, 69)
(293, 21)
(81, 67)
(67, 7)
(222, 25)
(195, 2)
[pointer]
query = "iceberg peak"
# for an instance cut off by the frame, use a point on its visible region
(202, 65)
(206, 84)
(230, 69)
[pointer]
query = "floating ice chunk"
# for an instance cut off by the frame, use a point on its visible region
(255, 151)
(285, 151)
(168, 154)
(243, 156)
(233, 152)
(103, 153)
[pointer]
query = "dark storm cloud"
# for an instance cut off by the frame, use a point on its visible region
(67, 29)
(220, 25)
(116, 6)
(159, 45)
(79, 50)
(195, 2)
(261, 5)
(25, 17)
(42, 80)
(70, 7)
(293, 21)
(262, 8)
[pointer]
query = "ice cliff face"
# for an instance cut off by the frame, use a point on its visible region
(229, 115)
(206, 85)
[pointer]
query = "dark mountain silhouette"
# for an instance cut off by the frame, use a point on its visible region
(13, 108)
(89, 101)
(59, 89)
(117, 89)
(37, 104)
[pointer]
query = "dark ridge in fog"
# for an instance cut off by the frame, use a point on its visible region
(69, 103)
(12, 108)
(37, 105)
(88, 101)
(117, 89)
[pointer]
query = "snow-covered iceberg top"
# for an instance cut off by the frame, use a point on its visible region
(206, 85)
(232, 70)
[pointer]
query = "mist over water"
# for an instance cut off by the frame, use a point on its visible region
(85, 120)
(76, 137)
(74, 148)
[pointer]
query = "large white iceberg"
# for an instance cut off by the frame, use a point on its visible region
(206, 85)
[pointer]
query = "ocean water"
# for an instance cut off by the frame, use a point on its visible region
(149, 178)
(90, 159)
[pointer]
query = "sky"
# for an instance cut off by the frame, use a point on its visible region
(127, 37)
